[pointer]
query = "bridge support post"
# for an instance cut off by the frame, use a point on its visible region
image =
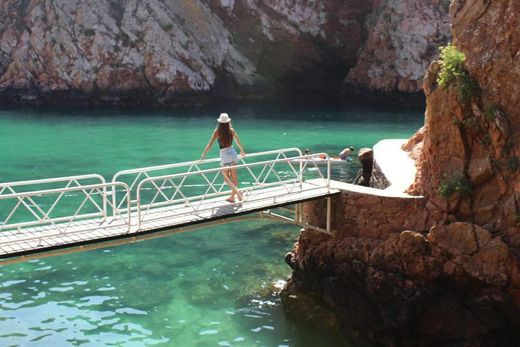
(299, 217)
(329, 203)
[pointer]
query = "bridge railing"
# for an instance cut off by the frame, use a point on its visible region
(165, 191)
(66, 203)
(134, 177)
(62, 209)
(50, 183)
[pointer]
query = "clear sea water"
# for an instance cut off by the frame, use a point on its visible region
(216, 286)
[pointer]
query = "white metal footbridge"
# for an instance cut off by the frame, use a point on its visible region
(67, 214)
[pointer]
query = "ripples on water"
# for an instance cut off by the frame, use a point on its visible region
(183, 290)
(212, 287)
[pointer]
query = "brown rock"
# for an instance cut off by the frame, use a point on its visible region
(484, 202)
(459, 238)
(513, 235)
(365, 154)
(160, 51)
(366, 157)
(480, 171)
(490, 264)
(399, 48)
(303, 306)
(511, 211)
(413, 141)
(459, 270)
(431, 77)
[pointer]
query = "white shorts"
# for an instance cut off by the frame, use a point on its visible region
(228, 156)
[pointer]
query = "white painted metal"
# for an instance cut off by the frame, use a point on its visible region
(164, 186)
(193, 195)
(135, 176)
(12, 189)
(46, 181)
(299, 218)
(93, 195)
(132, 239)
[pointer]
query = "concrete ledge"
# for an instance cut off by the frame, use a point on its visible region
(388, 193)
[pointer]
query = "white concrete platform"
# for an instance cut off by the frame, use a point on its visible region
(396, 165)
(385, 193)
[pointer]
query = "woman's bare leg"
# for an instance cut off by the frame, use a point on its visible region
(234, 178)
(226, 173)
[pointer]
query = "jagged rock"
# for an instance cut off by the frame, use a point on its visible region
(490, 39)
(192, 51)
(366, 157)
(480, 171)
(460, 256)
(304, 306)
(459, 238)
(479, 142)
(491, 264)
(377, 178)
(401, 45)
(511, 210)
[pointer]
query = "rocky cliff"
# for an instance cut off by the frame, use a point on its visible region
(444, 269)
(191, 51)
(403, 39)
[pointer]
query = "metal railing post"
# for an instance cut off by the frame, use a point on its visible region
(138, 198)
(114, 200)
(328, 175)
(301, 174)
(128, 209)
(104, 197)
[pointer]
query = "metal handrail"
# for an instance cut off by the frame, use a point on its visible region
(52, 180)
(41, 216)
(150, 179)
(188, 163)
(302, 160)
(266, 176)
(145, 171)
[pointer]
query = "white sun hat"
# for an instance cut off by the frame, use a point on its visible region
(224, 118)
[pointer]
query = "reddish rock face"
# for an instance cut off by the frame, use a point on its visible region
(396, 270)
(157, 51)
(403, 39)
(478, 141)
(185, 51)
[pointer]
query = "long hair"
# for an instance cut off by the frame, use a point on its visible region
(224, 134)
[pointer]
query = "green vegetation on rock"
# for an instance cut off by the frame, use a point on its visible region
(454, 74)
(457, 184)
(513, 164)
(490, 112)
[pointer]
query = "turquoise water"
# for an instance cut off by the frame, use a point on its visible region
(216, 286)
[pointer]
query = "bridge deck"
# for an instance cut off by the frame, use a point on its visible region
(32, 240)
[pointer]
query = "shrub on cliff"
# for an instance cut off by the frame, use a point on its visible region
(453, 73)
(457, 184)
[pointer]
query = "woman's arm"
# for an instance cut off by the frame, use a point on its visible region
(210, 143)
(235, 135)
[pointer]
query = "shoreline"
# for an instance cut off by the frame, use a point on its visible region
(299, 100)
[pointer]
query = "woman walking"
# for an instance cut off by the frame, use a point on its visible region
(225, 134)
